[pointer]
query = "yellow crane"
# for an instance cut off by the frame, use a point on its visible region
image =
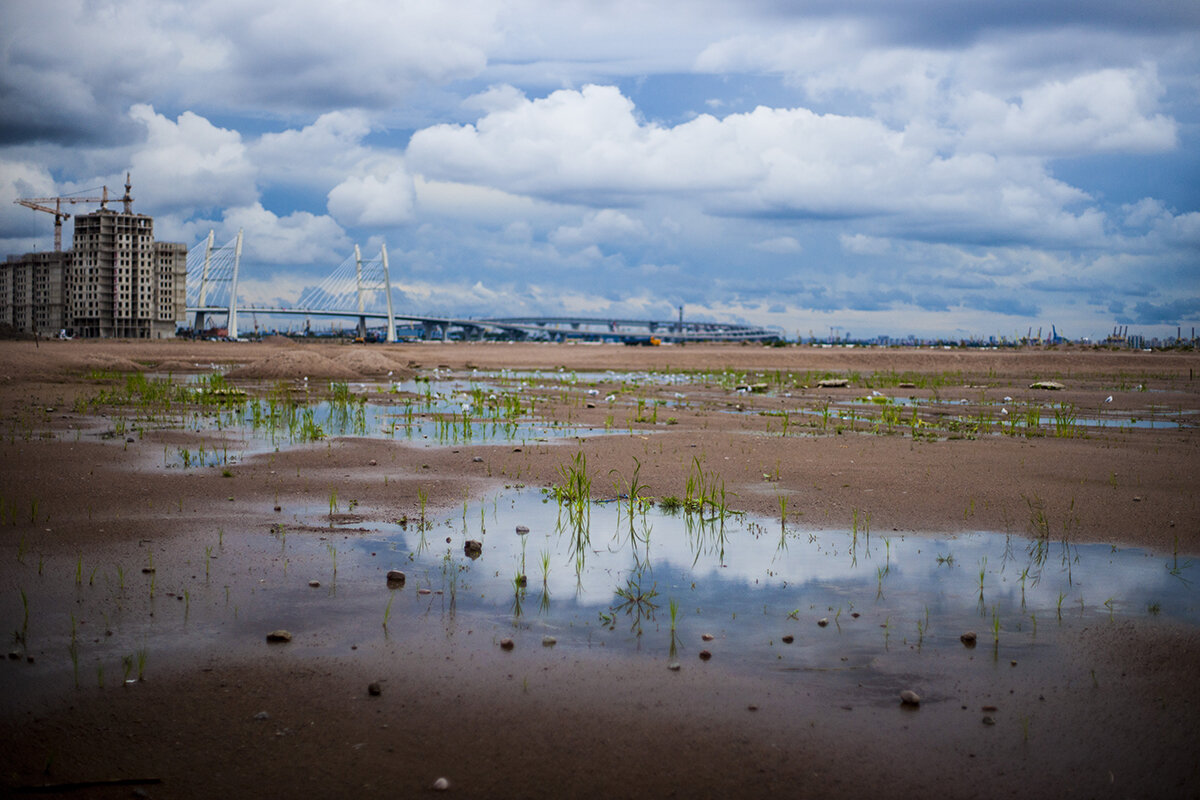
(38, 204)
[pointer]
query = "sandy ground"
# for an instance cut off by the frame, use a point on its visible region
(1114, 716)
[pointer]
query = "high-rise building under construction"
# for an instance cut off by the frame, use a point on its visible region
(116, 281)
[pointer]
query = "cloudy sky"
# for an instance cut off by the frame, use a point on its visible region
(933, 167)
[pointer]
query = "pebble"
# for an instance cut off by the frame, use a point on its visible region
(549, 641)
(374, 689)
(823, 622)
(279, 636)
(708, 637)
(315, 584)
(522, 529)
(262, 716)
(969, 638)
(989, 720)
(372, 462)
(673, 666)
(473, 547)
(395, 577)
(441, 785)
(788, 639)
(705, 655)
(477, 459)
(910, 698)
(424, 591)
(507, 644)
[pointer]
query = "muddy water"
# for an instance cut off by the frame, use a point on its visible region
(848, 610)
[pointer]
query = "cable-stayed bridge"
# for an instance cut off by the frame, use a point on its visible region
(360, 289)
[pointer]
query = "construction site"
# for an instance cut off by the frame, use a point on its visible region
(116, 281)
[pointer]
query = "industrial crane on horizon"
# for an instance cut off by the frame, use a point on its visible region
(36, 203)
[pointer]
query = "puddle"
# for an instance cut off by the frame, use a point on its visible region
(607, 585)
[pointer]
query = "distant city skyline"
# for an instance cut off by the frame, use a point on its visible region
(926, 168)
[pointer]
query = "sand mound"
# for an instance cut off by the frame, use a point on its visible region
(373, 362)
(111, 364)
(292, 365)
(276, 340)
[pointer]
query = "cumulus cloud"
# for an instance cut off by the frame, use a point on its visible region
(780, 245)
(590, 146)
(381, 197)
(298, 238)
(599, 227)
(188, 162)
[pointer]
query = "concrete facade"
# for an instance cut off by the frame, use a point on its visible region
(116, 281)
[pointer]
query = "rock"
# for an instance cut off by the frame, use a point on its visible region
(315, 584)
(279, 508)
(424, 591)
(477, 460)
(441, 785)
(674, 666)
(262, 716)
(147, 570)
(279, 636)
(549, 641)
(507, 644)
(374, 689)
(989, 720)
(473, 548)
(395, 577)
(705, 655)
(522, 529)
(910, 698)
(372, 463)
(823, 622)
(788, 639)
(1053, 386)
(708, 637)
(833, 383)
(969, 638)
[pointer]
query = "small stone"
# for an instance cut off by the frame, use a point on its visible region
(708, 637)
(1012, 663)
(989, 720)
(395, 577)
(788, 639)
(549, 641)
(279, 508)
(424, 591)
(374, 689)
(473, 548)
(262, 716)
(823, 622)
(673, 666)
(705, 655)
(910, 698)
(855, 614)
(147, 570)
(477, 459)
(969, 638)
(279, 636)
(507, 644)
(522, 529)
(441, 785)
(14, 655)
(752, 707)
(315, 584)
(372, 462)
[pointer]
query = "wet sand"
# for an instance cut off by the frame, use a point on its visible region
(1116, 716)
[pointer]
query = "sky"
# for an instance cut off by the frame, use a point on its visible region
(934, 168)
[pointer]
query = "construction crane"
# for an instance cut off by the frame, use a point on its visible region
(37, 204)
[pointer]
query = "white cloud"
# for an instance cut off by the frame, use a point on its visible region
(299, 237)
(318, 155)
(381, 197)
(188, 162)
(590, 146)
(599, 227)
(780, 245)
